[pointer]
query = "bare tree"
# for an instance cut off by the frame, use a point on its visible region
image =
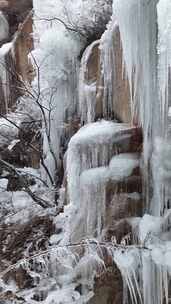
(35, 97)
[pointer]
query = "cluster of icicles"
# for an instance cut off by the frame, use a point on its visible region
(145, 34)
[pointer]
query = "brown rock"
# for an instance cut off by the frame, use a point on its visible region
(118, 88)
(16, 12)
(23, 45)
(18, 66)
(108, 288)
(91, 57)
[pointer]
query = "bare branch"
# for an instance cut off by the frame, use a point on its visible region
(85, 243)
(24, 182)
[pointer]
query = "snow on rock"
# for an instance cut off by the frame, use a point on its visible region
(88, 16)
(64, 295)
(8, 130)
(148, 226)
(122, 165)
(20, 200)
(3, 184)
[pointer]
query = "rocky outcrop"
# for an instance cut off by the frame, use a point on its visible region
(23, 45)
(88, 82)
(108, 288)
(112, 83)
(17, 67)
(104, 88)
(16, 12)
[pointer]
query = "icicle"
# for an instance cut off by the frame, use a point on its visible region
(4, 72)
(161, 154)
(93, 206)
(128, 262)
(138, 29)
(164, 65)
(107, 59)
(87, 91)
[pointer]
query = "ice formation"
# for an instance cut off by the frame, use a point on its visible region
(4, 77)
(56, 56)
(160, 159)
(108, 68)
(92, 146)
(4, 27)
(164, 57)
(87, 91)
(137, 19)
(147, 62)
(93, 184)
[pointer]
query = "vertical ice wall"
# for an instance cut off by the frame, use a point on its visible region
(162, 145)
(138, 29)
(164, 60)
(145, 34)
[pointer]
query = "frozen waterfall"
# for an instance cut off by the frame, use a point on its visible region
(105, 127)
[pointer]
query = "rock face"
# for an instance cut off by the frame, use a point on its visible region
(4, 28)
(120, 92)
(108, 288)
(16, 67)
(16, 12)
(104, 88)
(88, 82)
(17, 149)
(23, 45)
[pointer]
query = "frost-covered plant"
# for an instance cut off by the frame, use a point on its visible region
(88, 19)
